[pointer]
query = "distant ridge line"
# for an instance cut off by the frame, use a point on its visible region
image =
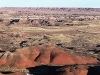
(49, 8)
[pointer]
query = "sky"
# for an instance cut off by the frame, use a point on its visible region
(50, 3)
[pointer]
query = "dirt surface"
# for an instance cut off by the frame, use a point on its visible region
(78, 34)
(80, 40)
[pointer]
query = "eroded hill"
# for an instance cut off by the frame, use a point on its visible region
(58, 37)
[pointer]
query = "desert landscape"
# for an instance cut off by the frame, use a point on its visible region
(49, 41)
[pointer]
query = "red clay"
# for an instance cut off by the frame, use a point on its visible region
(42, 55)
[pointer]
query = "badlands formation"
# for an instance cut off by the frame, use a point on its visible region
(49, 41)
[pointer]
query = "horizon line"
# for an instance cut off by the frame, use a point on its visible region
(43, 7)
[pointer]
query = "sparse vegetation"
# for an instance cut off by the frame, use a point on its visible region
(75, 32)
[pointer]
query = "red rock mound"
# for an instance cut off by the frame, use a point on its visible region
(41, 55)
(15, 73)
